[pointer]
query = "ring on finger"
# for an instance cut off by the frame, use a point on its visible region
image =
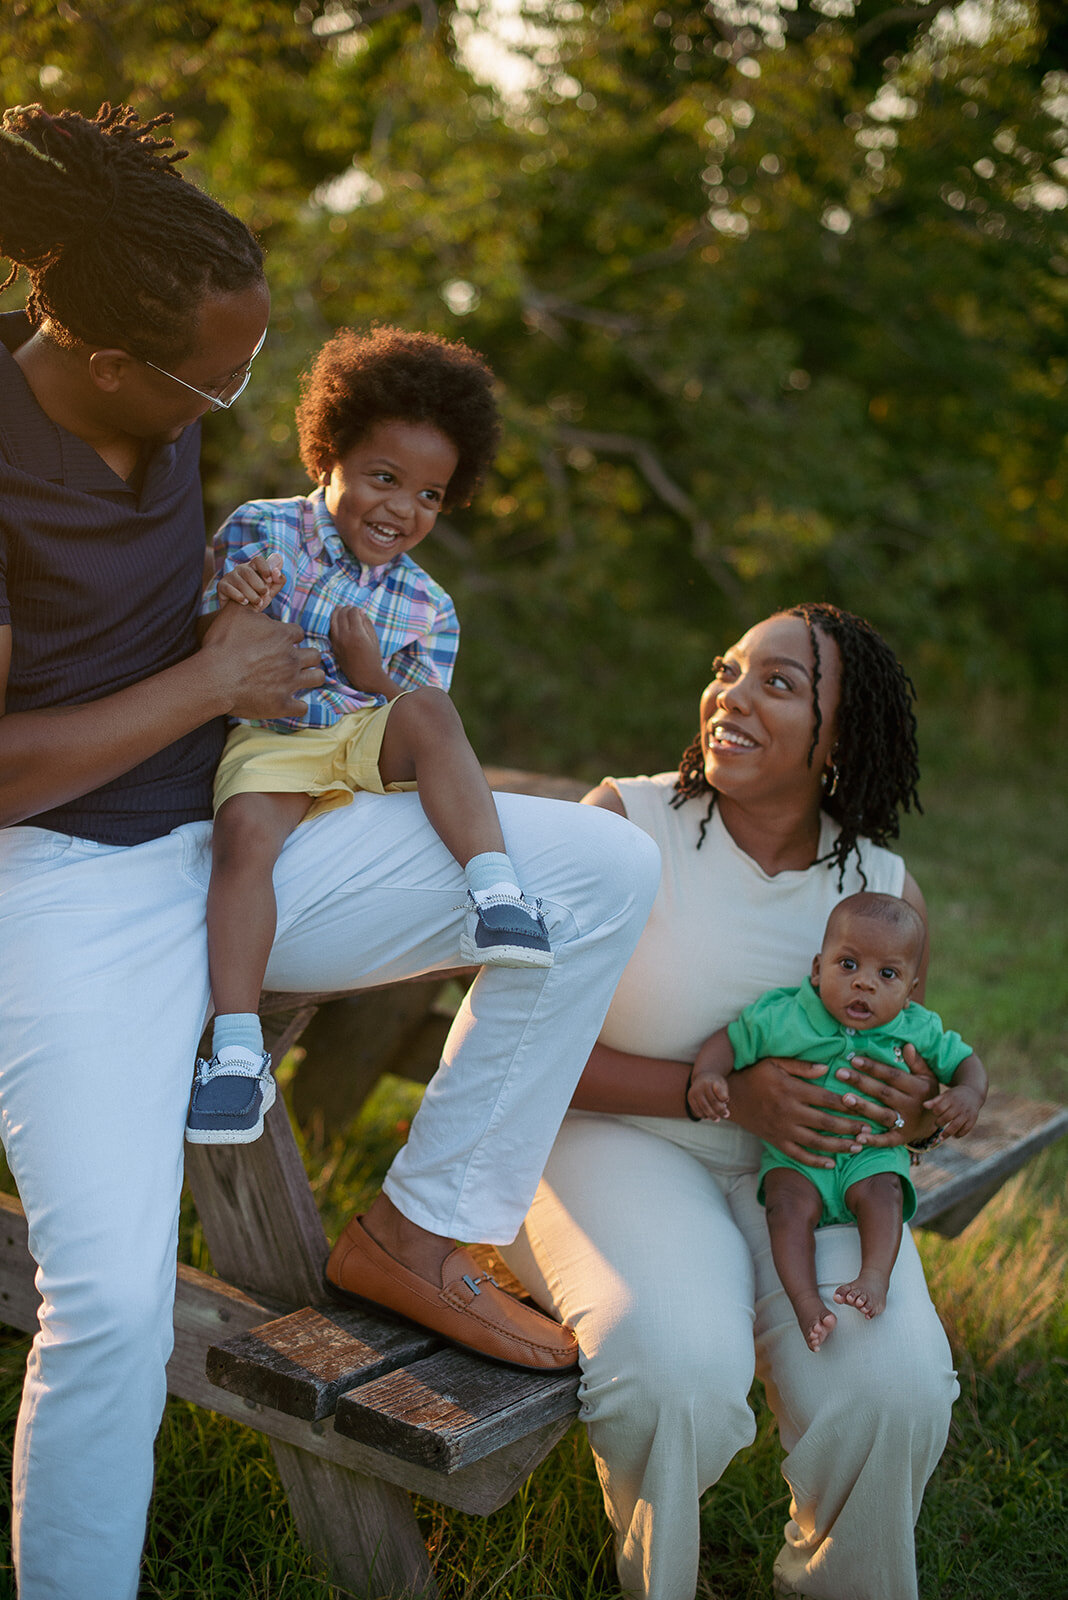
(899, 1121)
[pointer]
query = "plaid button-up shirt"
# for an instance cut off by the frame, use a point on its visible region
(412, 615)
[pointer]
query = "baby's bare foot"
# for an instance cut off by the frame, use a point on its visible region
(815, 1321)
(866, 1294)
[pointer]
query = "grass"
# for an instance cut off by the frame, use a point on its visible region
(986, 855)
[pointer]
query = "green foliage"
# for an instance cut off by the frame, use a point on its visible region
(777, 307)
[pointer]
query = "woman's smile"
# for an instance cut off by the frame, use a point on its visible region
(728, 736)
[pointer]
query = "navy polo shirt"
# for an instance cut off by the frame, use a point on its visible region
(100, 584)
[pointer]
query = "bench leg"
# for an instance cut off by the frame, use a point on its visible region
(362, 1528)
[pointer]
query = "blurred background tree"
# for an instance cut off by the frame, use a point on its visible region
(775, 290)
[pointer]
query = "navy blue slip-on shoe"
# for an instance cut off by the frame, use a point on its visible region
(230, 1099)
(502, 932)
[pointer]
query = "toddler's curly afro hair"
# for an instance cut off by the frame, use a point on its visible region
(360, 379)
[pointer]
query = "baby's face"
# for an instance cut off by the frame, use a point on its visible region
(865, 971)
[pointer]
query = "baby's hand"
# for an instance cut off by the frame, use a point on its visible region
(253, 583)
(708, 1096)
(957, 1109)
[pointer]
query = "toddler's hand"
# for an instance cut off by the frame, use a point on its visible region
(253, 583)
(957, 1109)
(708, 1097)
(358, 651)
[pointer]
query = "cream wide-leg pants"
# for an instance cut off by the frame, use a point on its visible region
(647, 1238)
(103, 995)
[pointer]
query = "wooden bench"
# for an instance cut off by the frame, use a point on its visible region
(362, 1410)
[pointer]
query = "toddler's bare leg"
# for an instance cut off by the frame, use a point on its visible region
(876, 1203)
(425, 742)
(793, 1207)
(249, 832)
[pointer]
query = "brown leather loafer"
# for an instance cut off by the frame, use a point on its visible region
(467, 1307)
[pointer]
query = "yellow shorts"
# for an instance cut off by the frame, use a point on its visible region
(330, 764)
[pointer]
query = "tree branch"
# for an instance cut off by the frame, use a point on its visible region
(652, 470)
(890, 19)
(544, 307)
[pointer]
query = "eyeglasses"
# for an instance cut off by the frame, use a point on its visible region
(229, 392)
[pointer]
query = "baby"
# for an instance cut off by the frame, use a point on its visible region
(860, 984)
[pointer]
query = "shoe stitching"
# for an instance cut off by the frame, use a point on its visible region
(207, 1071)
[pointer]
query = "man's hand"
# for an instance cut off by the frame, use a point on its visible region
(261, 665)
(252, 583)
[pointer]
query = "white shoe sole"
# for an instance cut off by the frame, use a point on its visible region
(503, 955)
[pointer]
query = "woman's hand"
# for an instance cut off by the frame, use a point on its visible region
(779, 1100)
(901, 1095)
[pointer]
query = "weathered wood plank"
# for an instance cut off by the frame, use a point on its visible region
(18, 1292)
(352, 1041)
(280, 1002)
(957, 1179)
(362, 1529)
(480, 1489)
(258, 1214)
(206, 1311)
(304, 1362)
(453, 1408)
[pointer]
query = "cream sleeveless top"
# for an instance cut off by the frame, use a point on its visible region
(721, 930)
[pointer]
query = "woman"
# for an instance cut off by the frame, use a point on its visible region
(646, 1235)
(148, 305)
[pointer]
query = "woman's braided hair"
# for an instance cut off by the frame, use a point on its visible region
(875, 750)
(120, 248)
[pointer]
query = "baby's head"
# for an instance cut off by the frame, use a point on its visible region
(872, 949)
(397, 426)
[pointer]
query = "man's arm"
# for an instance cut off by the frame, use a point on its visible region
(248, 666)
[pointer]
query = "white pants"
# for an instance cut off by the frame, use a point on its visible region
(103, 995)
(646, 1236)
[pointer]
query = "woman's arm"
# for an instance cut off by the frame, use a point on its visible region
(608, 797)
(641, 1086)
(248, 666)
